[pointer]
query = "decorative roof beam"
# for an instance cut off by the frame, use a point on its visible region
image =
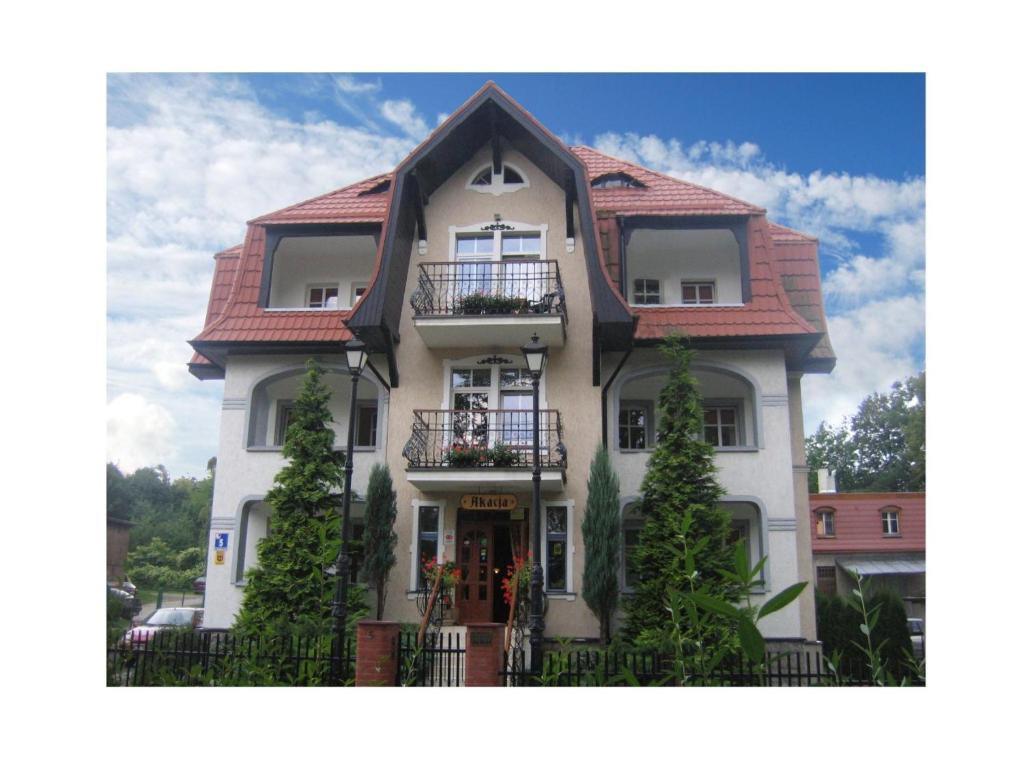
(495, 142)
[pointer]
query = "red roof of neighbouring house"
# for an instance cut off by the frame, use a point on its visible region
(858, 522)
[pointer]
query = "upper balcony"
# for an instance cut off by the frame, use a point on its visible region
(474, 449)
(684, 268)
(489, 303)
(320, 272)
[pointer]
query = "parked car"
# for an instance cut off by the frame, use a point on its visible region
(199, 585)
(130, 604)
(162, 619)
(128, 587)
(916, 628)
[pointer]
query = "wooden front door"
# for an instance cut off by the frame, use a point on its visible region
(474, 596)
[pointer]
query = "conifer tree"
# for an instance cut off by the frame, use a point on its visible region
(379, 537)
(289, 590)
(602, 541)
(680, 478)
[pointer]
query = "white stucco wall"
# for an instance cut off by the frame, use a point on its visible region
(246, 474)
(761, 475)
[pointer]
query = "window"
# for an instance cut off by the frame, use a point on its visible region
(366, 425)
(826, 523)
(508, 180)
(698, 293)
(720, 426)
(358, 289)
(555, 545)
(636, 427)
(631, 525)
(285, 417)
(426, 540)
(890, 522)
(323, 297)
(827, 579)
(520, 246)
(646, 291)
(616, 181)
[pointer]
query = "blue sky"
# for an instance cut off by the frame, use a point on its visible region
(192, 157)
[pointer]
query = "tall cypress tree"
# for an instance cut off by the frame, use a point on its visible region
(289, 590)
(379, 537)
(602, 541)
(680, 478)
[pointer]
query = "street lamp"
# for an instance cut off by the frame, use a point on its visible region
(355, 355)
(536, 355)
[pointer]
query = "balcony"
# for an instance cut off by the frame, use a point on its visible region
(489, 303)
(483, 450)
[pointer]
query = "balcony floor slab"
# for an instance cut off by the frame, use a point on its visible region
(484, 330)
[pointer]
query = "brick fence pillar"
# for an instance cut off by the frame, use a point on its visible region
(376, 652)
(485, 654)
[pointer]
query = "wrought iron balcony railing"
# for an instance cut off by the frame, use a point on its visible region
(449, 289)
(484, 438)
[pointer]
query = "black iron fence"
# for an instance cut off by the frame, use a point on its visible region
(177, 658)
(483, 438)
(447, 288)
(586, 667)
(439, 662)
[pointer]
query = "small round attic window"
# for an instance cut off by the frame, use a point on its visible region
(509, 180)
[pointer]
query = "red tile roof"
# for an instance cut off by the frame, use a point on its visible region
(858, 522)
(785, 288)
(353, 204)
(661, 195)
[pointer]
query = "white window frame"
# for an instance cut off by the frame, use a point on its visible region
(360, 405)
(510, 227)
(721, 405)
(648, 407)
(357, 286)
(646, 291)
(570, 548)
(887, 530)
(698, 283)
(497, 185)
(310, 287)
(414, 545)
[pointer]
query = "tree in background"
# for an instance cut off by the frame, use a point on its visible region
(881, 448)
(839, 628)
(680, 480)
(602, 541)
(379, 537)
(290, 590)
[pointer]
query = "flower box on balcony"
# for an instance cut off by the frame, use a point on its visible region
(485, 304)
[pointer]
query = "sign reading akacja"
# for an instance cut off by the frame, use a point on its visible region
(497, 502)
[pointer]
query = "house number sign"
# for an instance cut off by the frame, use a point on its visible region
(496, 502)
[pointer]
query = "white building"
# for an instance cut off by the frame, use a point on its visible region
(490, 231)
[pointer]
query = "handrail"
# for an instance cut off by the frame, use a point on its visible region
(499, 288)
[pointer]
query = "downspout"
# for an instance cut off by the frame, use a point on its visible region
(604, 397)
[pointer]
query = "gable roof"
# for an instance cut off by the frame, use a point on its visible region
(785, 296)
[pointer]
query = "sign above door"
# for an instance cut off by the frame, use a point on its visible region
(496, 502)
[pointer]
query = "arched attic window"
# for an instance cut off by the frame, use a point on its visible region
(616, 181)
(508, 180)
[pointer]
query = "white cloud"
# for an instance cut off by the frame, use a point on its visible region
(403, 114)
(348, 84)
(139, 433)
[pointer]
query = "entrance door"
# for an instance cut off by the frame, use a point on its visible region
(475, 596)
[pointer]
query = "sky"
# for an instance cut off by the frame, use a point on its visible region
(191, 158)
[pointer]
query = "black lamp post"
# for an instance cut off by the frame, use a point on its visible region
(536, 355)
(355, 354)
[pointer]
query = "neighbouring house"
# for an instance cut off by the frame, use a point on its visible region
(877, 535)
(492, 231)
(118, 532)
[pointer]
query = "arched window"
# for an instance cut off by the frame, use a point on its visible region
(616, 181)
(509, 179)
